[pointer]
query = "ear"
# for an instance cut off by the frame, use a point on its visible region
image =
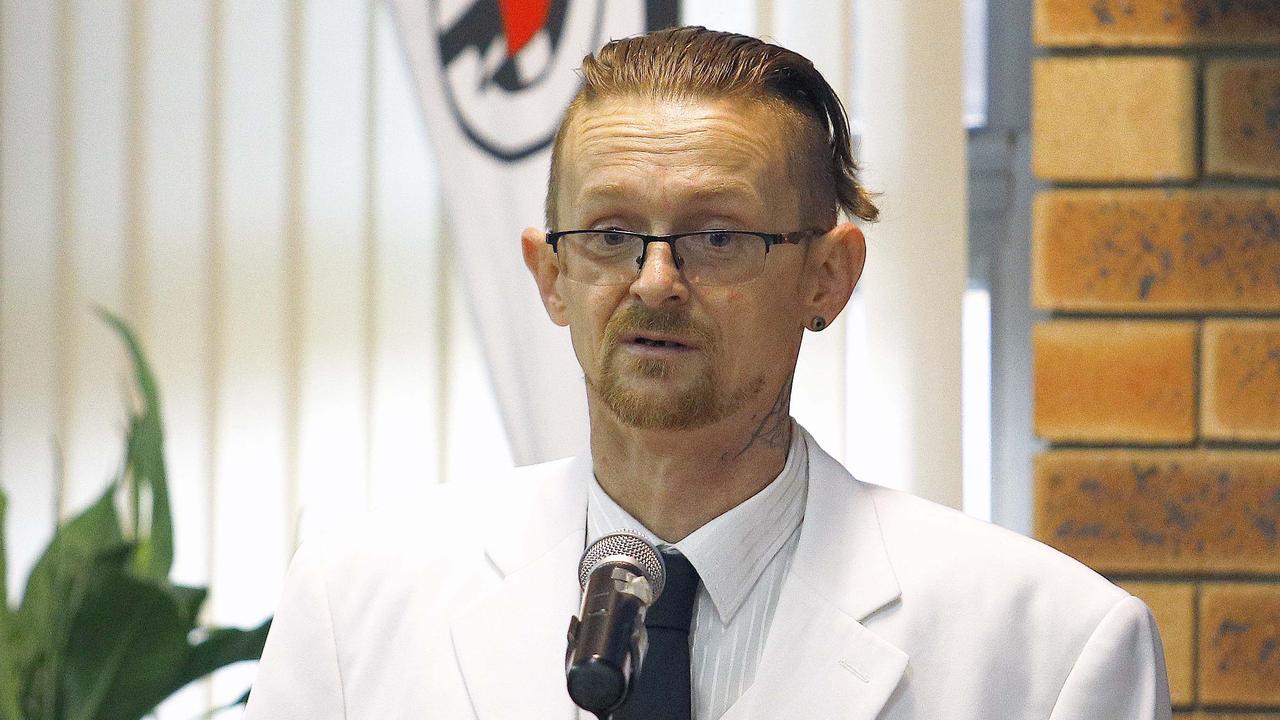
(544, 268)
(834, 266)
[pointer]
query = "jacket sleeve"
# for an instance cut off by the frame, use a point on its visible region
(298, 677)
(1120, 673)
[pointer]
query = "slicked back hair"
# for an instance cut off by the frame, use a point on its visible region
(697, 63)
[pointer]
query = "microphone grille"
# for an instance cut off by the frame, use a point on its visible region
(625, 545)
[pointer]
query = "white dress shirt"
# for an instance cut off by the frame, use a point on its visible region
(742, 557)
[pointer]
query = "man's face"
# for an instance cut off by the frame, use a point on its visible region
(660, 352)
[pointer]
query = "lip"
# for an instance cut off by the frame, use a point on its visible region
(646, 341)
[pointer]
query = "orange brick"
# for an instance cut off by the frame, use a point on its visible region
(1161, 511)
(1240, 382)
(1114, 119)
(1174, 608)
(1108, 381)
(1240, 644)
(1157, 250)
(1156, 23)
(1242, 118)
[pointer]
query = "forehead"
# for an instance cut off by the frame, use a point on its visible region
(679, 153)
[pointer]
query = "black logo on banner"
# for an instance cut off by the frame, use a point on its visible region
(508, 65)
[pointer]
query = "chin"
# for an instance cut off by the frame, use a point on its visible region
(644, 413)
(646, 397)
(638, 404)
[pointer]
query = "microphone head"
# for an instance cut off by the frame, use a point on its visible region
(628, 547)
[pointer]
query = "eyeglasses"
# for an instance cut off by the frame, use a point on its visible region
(704, 257)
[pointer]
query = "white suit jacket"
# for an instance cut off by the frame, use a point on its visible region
(894, 608)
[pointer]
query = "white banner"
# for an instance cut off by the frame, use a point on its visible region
(494, 77)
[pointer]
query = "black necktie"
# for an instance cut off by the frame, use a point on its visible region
(661, 691)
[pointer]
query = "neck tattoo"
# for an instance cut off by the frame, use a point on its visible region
(771, 432)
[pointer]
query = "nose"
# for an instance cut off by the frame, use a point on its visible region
(660, 282)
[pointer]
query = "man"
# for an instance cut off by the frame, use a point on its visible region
(693, 201)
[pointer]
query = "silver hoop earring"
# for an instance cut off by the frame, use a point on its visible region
(818, 323)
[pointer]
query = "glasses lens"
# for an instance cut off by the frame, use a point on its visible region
(720, 257)
(600, 258)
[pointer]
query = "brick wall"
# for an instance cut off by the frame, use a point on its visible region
(1156, 250)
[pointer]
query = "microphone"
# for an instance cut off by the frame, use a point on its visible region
(621, 576)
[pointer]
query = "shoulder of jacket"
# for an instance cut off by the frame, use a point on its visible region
(934, 545)
(442, 525)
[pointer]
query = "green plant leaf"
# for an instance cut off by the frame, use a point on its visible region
(75, 545)
(4, 554)
(9, 689)
(189, 601)
(144, 470)
(144, 466)
(40, 649)
(86, 545)
(127, 643)
(224, 646)
(130, 650)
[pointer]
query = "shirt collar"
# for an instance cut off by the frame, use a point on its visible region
(731, 551)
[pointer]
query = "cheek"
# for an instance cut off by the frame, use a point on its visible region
(588, 310)
(749, 329)
(759, 310)
(758, 330)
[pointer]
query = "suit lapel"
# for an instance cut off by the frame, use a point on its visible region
(510, 644)
(819, 660)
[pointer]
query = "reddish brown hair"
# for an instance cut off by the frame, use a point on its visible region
(694, 62)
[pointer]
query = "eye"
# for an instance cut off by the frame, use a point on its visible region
(613, 239)
(719, 239)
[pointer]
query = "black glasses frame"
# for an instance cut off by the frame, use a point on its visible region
(770, 239)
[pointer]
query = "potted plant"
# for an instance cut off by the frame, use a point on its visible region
(101, 632)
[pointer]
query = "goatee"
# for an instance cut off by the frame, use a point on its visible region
(701, 402)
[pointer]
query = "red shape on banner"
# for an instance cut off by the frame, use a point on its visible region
(521, 20)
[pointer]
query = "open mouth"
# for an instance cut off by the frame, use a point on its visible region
(650, 342)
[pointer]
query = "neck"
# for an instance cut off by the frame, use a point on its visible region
(676, 481)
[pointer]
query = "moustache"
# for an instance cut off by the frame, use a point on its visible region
(638, 319)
